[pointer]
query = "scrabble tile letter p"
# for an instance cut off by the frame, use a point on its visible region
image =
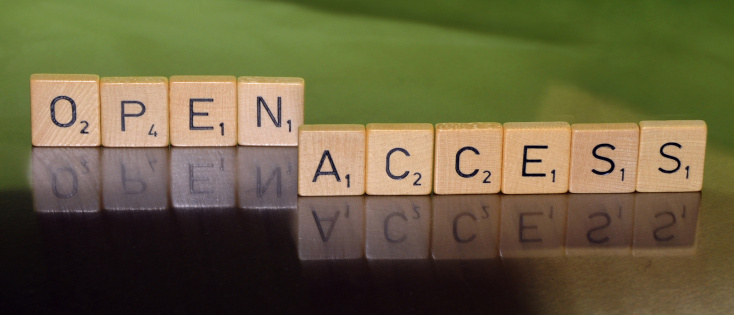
(536, 158)
(134, 111)
(399, 159)
(270, 111)
(672, 154)
(203, 110)
(65, 110)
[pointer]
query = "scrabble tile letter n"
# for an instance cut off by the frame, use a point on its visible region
(134, 111)
(671, 156)
(203, 110)
(270, 111)
(331, 160)
(65, 110)
(536, 158)
(399, 159)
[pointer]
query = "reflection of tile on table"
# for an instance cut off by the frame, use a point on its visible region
(203, 177)
(65, 179)
(397, 227)
(599, 224)
(465, 227)
(330, 227)
(135, 179)
(267, 178)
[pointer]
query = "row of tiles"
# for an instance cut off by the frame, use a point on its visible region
(82, 110)
(515, 158)
(405, 227)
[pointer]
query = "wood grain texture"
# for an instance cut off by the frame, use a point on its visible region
(270, 110)
(213, 101)
(468, 158)
(330, 228)
(672, 155)
(331, 160)
(142, 103)
(533, 226)
(615, 168)
(536, 157)
(600, 224)
(465, 227)
(399, 159)
(65, 110)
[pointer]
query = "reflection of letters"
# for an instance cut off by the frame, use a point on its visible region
(524, 227)
(325, 236)
(125, 180)
(193, 178)
(261, 189)
(658, 234)
(456, 228)
(607, 222)
(65, 179)
(55, 183)
(387, 227)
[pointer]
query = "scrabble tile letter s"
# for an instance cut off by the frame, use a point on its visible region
(65, 110)
(672, 155)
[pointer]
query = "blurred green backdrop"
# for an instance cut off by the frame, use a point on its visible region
(395, 61)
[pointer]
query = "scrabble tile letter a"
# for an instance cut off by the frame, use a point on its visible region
(270, 111)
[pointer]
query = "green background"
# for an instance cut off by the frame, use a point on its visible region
(393, 61)
(432, 61)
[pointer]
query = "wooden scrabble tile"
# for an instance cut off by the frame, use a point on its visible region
(465, 227)
(399, 159)
(533, 225)
(604, 158)
(468, 158)
(600, 224)
(666, 224)
(536, 157)
(397, 227)
(203, 110)
(672, 155)
(330, 228)
(65, 179)
(270, 110)
(134, 111)
(267, 177)
(331, 160)
(135, 178)
(203, 177)
(65, 110)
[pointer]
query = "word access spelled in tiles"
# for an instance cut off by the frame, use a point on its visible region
(468, 158)
(65, 110)
(331, 160)
(672, 155)
(134, 111)
(399, 159)
(604, 158)
(203, 110)
(536, 157)
(270, 110)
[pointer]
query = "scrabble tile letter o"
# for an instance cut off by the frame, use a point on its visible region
(65, 110)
